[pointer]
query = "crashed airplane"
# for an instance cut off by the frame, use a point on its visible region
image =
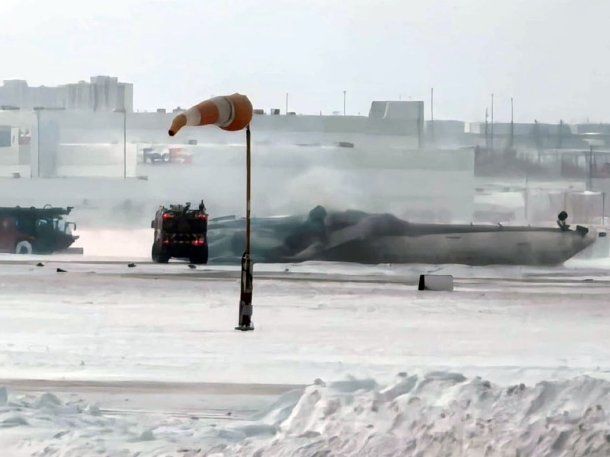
(356, 236)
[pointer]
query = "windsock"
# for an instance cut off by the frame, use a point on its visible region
(229, 112)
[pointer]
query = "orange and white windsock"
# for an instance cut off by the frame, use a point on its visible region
(229, 112)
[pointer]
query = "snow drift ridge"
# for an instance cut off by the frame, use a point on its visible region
(442, 414)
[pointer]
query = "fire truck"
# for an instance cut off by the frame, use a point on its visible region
(35, 230)
(180, 232)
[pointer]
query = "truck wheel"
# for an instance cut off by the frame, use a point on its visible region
(158, 256)
(23, 247)
(200, 256)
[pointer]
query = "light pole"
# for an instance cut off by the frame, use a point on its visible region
(512, 124)
(486, 130)
(124, 111)
(590, 170)
(432, 115)
(286, 103)
(37, 110)
(124, 144)
(344, 97)
(232, 113)
(492, 122)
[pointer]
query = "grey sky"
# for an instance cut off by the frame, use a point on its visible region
(551, 55)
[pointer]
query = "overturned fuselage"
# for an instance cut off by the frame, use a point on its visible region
(355, 236)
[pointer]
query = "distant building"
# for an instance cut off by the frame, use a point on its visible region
(446, 133)
(534, 135)
(101, 93)
(406, 117)
(593, 128)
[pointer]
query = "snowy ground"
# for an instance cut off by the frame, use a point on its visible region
(107, 359)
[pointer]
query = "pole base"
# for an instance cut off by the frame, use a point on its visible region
(245, 328)
(245, 299)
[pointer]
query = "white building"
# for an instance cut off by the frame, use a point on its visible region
(101, 93)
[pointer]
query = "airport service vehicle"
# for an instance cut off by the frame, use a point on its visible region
(35, 230)
(356, 236)
(180, 232)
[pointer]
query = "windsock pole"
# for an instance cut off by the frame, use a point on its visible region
(245, 296)
(232, 113)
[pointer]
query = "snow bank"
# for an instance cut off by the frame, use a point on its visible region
(442, 414)
(439, 413)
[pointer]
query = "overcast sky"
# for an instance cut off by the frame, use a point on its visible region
(551, 55)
